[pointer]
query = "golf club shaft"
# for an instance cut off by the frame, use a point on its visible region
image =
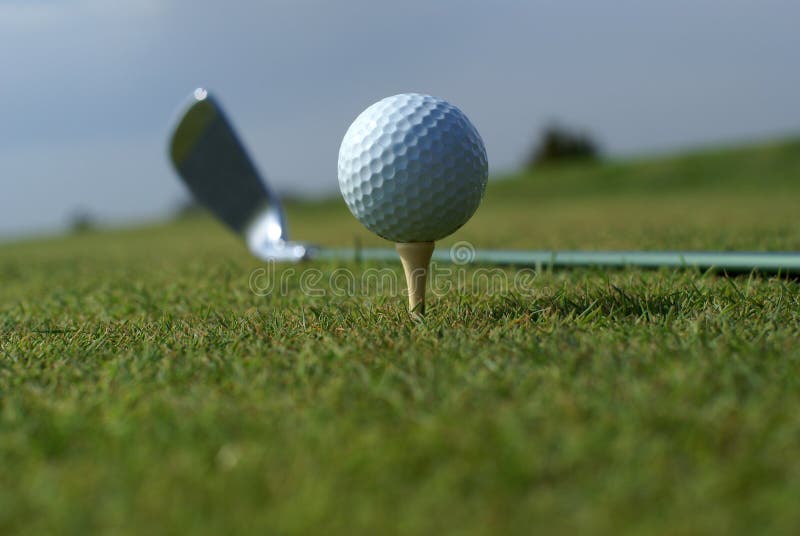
(787, 263)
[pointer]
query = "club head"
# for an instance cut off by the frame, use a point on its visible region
(208, 156)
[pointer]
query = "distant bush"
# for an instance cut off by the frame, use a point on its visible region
(188, 208)
(558, 144)
(81, 221)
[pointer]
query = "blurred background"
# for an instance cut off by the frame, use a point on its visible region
(89, 87)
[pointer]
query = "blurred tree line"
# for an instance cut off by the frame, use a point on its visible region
(558, 143)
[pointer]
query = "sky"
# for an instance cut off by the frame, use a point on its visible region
(89, 88)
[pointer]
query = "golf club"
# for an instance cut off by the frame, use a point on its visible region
(211, 160)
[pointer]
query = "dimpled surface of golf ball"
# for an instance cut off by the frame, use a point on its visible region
(412, 168)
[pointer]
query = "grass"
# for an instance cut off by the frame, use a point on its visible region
(145, 389)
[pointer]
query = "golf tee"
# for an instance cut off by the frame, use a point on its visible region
(416, 258)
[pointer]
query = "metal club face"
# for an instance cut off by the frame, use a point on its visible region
(207, 154)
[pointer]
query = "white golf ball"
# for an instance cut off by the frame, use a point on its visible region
(412, 168)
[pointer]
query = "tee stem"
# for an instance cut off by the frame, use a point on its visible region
(416, 258)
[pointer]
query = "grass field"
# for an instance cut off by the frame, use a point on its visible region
(145, 389)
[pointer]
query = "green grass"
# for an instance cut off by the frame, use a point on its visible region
(145, 389)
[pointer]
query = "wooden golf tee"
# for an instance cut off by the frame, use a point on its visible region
(416, 257)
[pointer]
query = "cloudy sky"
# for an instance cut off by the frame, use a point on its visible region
(88, 88)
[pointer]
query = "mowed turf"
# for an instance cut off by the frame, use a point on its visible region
(144, 388)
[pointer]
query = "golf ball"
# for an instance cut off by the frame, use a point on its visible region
(412, 168)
